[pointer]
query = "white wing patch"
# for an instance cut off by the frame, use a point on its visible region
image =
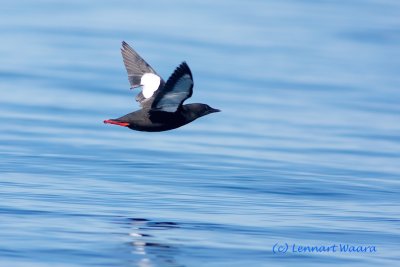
(150, 83)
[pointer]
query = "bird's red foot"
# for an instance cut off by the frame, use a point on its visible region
(120, 123)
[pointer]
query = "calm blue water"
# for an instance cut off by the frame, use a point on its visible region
(305, 153)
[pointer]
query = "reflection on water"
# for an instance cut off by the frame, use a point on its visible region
(144, 243)
(306, 150)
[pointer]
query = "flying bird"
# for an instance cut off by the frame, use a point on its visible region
(161, 102)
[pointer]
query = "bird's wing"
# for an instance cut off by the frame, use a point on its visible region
(178, 88)
(136, 67)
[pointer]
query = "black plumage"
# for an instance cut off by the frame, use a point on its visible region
(161, 102)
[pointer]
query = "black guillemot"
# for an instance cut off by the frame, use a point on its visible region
(161, 102)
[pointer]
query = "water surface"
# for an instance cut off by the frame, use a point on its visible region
(305, 152)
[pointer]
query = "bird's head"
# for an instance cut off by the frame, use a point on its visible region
(197, 110)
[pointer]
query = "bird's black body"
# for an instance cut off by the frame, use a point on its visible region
(162, 102)
(148, 121)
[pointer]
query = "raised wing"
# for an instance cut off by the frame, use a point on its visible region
(136, 67)
(178, 88)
